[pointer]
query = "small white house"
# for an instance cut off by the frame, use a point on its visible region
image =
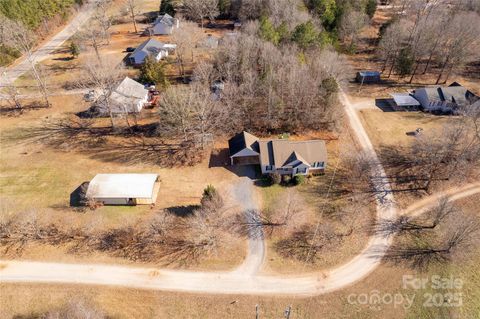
(164, 24)
(124, 189)
(129, 97)
(150, 47)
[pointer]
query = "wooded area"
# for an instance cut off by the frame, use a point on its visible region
(35, 15)
(427, 35)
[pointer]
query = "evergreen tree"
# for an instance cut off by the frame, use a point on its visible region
(267, 31)
(405, 61)
(74, 50)
(166, 7)
(153, 72)
(305, 35)
(371, 7)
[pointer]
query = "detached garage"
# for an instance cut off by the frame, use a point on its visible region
(124, 189)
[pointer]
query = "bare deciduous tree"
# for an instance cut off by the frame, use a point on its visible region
(351, 25)
(13, 96)
(103, 77)
(19, 37)
(103, 19)
(189, 112)
(186, 37)
(76, 309)
(199, 9)
(133, 10)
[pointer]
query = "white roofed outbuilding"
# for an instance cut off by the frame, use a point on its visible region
(128, 97)
(124, 189)
(405, 100)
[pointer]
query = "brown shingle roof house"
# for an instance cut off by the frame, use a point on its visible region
(279, 155)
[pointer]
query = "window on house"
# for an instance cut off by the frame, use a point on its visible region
(269, 168)
(318, 164)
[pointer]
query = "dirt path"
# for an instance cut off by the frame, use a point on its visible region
(242, 280)
(451, 195)
(49, 47)
(244, 193)
(205, 282)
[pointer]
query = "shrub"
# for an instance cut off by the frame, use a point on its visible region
(275, 178)
(74, 49)
(211, 197)
(286, 179)
(298, 179)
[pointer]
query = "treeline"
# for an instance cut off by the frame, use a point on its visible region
(32, 13)
(36, 15)
(331, 17)
(426, 35)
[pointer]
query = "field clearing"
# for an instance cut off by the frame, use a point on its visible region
(390, 128)
(37, 177)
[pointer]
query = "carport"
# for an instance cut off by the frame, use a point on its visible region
(404, 102)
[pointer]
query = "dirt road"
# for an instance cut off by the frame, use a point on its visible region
(244, 280)
(204, 282)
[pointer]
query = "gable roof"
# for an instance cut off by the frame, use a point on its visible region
(165, 19)
(454, 93)
(122, 186)
(242, 141)
(292, 153)
(150, 46)
(129, 91)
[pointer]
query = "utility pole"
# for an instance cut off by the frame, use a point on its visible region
(256, 312)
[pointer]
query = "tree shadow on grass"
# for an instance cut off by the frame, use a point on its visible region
(121, 145)
(183, 211)
(15, 111)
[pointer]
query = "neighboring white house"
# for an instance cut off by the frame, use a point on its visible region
(444, 98)
(164, 24)
(124, 189)
(150, 47)
(129, 97)
(280, 155)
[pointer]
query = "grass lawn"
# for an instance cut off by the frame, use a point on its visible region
(319, 208)
(390, 128)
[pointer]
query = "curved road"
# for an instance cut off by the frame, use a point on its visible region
(214, 282)
(244, 280)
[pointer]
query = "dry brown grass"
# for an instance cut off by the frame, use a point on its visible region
(390, 128)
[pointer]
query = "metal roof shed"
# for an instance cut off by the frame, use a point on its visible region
(368, 77)
(404, 99)
(124, 189)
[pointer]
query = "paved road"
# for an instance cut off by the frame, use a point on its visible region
(53, 44)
